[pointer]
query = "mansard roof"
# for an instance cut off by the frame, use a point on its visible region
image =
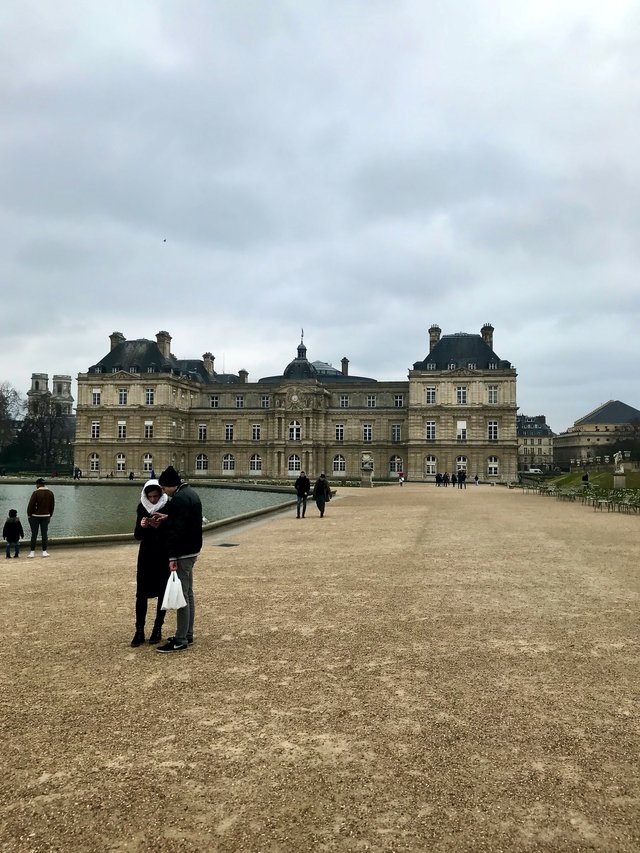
(144, 356)
(461, 349)
(613, 412)
(141, 354)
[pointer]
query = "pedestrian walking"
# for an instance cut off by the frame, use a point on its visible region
(321, 493)
(302, 486)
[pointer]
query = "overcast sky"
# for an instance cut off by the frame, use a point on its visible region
(358, 169)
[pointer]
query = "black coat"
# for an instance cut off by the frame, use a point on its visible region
(153, 558)
(12, 530)
(183, 527)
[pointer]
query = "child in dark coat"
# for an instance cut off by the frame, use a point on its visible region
(13, 533)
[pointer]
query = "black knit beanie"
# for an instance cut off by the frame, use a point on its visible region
(169, 477)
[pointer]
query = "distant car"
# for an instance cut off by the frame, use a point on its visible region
(535, 471)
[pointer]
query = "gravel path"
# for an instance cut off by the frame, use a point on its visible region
(421, 670)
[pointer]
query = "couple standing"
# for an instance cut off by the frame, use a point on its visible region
(321, 493)
(169, 528)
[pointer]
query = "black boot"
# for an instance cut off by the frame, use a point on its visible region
(156, 634)
(138, 637)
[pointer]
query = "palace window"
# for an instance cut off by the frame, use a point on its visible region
(461, 463)
(492, 430)
(122, 429)
(339, 464)
(294, 431)
(461, 430)
(228, 462)
(430, 395)
(148, 429)
(265, 402)
(214, 401)
(255, 463)
(395, 465)
(344, 401)
(371, 401)
(339, 432)
(240, 401)
(228, 432)
(95, 397)
(461, 395)
(430, 431)
(430, 465)
(95, 429)
(256, 432)
(367, 432)
(398, 401)
(396, 430)
(94, 462)
(493, 468)
(492, 394)
(202, 462)
(121, 462)
(147, 463)
(293, 464)
(149, 396)
(202, 432)
(122, 396)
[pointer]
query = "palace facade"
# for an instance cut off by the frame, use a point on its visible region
(140, 409)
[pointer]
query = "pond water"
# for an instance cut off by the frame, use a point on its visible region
(91, 510)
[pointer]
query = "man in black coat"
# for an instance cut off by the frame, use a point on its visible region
(302, 486)
(183, 531)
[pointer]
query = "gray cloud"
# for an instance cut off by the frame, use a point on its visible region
(356, 169)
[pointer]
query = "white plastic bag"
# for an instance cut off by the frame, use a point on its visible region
(173, 595)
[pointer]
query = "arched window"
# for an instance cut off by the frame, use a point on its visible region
(339, 464)
(228, 462)
(461, 463)
(293, 464)
(121, 462)
(255, 463)
(147, 463)
(94, 462)
(493, 466)
(294, 431)
(430, 465)
(395, 465)
(202, 462)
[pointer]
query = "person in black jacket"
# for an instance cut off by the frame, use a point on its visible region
(182, 522)
(321, 493)
(153, 561)
(13, 532)
(302, 486)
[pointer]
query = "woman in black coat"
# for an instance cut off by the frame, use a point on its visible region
(153, 561)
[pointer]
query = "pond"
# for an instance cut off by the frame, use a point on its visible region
(92, 510)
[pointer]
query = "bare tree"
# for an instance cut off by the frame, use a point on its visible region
(12, 407)
(51, 430)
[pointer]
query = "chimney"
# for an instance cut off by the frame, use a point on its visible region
(345, 366)
(434, 336)
(487, 334)
(116, 338)
(244, 375)
(164, 344)
(209, 359)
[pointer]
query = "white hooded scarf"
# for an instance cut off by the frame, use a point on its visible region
(146, 503)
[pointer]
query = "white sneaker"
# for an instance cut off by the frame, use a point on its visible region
(45, 554)
(31, 554)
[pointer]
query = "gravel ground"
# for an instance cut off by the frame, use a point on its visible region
(421, 670)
